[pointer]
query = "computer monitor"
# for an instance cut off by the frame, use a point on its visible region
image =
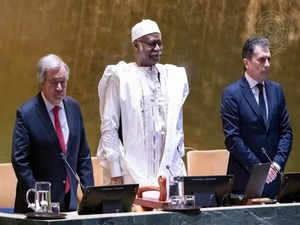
(289, 188)
(108, 199)
(257, 180)
(209, 191)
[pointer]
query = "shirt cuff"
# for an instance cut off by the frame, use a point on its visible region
(115, 169)
(277, 166)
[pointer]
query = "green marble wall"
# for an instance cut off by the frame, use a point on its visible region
(277, 214)
(205, 36)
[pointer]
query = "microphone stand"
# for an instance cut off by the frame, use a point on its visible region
(265, 153)
(63, 156)
(269, 159)
(279, 171)
(170, 171)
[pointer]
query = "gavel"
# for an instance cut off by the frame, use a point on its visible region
(162, 189)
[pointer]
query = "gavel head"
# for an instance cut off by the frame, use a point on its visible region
(162, 182)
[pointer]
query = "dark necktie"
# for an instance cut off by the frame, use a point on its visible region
(61, 140)
(262, 104)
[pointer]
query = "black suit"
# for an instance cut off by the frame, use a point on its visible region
(246, 133)
(36, 152)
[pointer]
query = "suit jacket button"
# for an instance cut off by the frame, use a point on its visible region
(63, 181)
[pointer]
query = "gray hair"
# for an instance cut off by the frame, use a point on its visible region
(49, 62)
(248, 49)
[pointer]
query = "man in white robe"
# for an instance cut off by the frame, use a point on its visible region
(141, 113)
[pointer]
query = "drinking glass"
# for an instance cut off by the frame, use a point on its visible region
(189, 200)
(55, 207)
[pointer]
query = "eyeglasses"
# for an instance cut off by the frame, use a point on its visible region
(152, 44)
(54, 83)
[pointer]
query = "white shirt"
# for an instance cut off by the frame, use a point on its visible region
(154, 108)
(255, 91)
(62, 118)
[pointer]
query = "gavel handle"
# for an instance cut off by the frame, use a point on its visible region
(162, 189)
(146, 188)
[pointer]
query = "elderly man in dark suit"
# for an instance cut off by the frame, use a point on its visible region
(255, 120)
(48, 128)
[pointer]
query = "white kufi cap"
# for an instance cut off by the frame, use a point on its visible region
(143, 28)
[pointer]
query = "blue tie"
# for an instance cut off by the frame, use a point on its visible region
(262, 104)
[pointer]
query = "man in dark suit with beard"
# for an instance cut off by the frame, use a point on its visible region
(256, 123)
(48, 128)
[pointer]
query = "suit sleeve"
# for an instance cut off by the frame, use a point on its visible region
(84, 168)
(231, 127)
(285, 134)
(20, 157)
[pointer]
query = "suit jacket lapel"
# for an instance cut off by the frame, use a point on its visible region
(246, 90)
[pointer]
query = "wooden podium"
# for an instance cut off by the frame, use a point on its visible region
(250, 201)
(258, 201)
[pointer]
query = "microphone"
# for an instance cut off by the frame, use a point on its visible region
(170, 171)
(63, 156)
(278, 171)
(265, 153)
(269, 159)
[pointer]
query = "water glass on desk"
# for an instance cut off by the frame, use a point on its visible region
(176, 191)
(55, 207)
(189, 200)
(180, 184)
(173, 188)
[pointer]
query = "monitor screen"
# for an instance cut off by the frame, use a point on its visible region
(257, 180)
(289, 188)
(209, 191)
(108, 199)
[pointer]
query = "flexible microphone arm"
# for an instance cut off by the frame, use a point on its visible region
(265, 153)
(170, 171)
(63, 156)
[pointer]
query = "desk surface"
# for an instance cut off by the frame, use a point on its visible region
(287, 214)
